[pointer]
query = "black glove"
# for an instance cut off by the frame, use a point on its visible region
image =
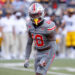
(26, 64)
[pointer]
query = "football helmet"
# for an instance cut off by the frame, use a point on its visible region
(36, 13)
(70, 10)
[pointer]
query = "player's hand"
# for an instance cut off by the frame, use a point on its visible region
(26, 64)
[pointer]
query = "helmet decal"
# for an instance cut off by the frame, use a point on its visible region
(34, 7)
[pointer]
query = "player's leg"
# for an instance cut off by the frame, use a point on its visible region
(21, 45)
(47, 67)
(6, 45)
(12, 43)
(51, 55)
(37, 60)
(46, 56)
(41, 69)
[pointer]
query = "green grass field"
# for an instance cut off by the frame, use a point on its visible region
(15, 67)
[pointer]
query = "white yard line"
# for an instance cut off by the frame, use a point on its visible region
(69, 69)
(14, 67)
(31, 70)
(14, 64)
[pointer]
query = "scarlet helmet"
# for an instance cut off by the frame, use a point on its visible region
(36, 13)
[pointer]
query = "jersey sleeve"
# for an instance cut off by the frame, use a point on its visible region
(50, 28)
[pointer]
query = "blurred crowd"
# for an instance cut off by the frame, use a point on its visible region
(13, 30)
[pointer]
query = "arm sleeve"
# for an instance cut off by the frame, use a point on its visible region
(50, 32)
(51, 36)
(50, 28)
(52, 40)
(29, 47)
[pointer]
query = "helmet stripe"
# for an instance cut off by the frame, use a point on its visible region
(34, 6)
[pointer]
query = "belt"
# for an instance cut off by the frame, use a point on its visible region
(44, 49)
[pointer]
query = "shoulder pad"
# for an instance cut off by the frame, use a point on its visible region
(50, 26)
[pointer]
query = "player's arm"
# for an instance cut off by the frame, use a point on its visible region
(29, 46)
(51, 34)
(28, 50)
(50, 30)
(1, 30)
(63, 25)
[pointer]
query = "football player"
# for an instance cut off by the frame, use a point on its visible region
(42, 32)
(68, 25)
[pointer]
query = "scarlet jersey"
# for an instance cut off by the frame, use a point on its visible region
(39, 34)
